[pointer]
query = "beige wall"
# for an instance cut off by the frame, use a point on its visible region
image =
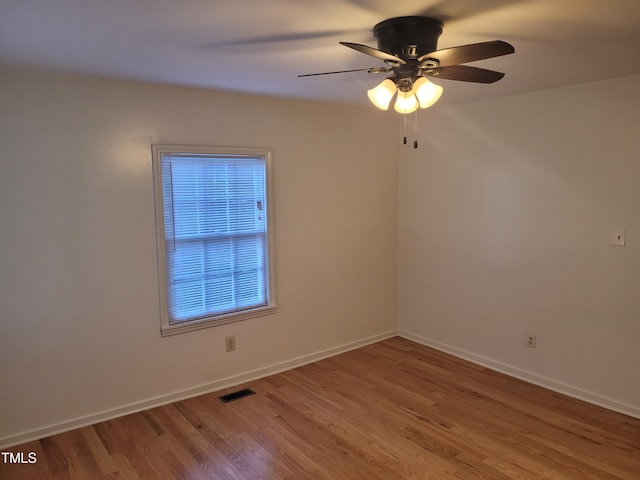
(78, 278)
(506, 214)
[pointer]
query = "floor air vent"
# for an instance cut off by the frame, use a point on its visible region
(230, 397)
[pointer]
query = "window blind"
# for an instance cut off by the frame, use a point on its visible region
(215, 232)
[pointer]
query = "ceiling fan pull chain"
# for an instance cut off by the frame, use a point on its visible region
(405, 129)
(415, 142)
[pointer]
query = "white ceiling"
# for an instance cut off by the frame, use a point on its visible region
(261, 46)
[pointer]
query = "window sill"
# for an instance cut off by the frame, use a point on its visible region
(184, 327)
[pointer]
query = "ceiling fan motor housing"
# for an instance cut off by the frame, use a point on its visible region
(408, 37)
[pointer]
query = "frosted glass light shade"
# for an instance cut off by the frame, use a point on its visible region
(406, 102)
(381, 95)
(428, 93)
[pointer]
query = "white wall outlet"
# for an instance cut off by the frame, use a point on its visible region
(230, 344)
(618, 237)
(531, 341)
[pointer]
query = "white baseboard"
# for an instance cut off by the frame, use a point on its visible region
(214, 386)
(540, 380)
(228, 382)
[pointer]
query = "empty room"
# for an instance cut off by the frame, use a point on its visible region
(345, 239)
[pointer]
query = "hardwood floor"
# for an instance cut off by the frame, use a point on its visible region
(392, 410)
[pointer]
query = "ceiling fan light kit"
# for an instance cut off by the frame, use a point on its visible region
(406, 103)
(381, 95)
(422, 93)
(408, 45)
(428, 93)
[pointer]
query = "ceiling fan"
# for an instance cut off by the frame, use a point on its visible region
(408, 45)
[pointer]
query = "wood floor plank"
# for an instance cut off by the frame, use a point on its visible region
(98, 451)
(387, 411)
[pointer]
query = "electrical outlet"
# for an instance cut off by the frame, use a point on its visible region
(230, 343)
(531, 341)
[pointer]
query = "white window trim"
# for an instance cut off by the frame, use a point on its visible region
(167, 328)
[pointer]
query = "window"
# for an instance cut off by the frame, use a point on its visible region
(214, 235)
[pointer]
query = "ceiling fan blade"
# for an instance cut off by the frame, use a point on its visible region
(370, 70)
(465, 73)
(469, 53)
(282, 38)
(374, 52)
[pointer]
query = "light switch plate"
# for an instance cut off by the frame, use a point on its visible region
(618, 237)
